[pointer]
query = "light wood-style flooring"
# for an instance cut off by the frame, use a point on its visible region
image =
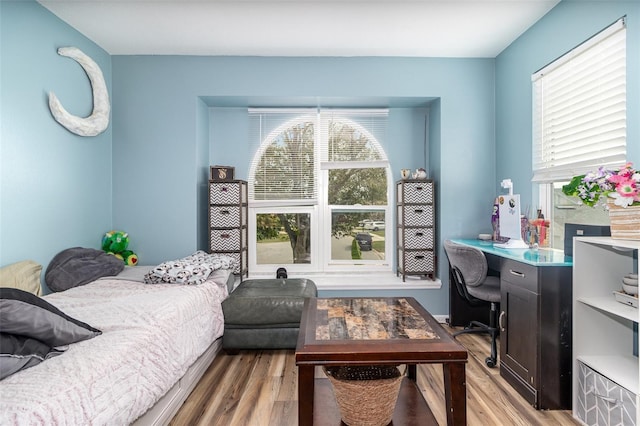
(259, 388)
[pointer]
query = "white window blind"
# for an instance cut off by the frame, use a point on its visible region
(284, 167)
(352, 136)
(579, 109)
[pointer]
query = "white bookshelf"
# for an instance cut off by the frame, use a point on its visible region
(602, 327)
(609, 304)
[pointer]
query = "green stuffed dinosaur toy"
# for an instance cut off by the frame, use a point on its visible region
(116, 243)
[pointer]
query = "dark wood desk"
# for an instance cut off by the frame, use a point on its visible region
(535, 321)
(370, 331)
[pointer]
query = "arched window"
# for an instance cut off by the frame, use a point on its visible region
(319, 191)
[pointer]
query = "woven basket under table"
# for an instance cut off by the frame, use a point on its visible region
(366, 395)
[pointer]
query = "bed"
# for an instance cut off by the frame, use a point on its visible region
(156, 342)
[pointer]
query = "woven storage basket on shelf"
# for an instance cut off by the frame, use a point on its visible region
(366, 395)
(625, 221)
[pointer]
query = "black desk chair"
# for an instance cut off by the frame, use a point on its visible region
(469, 272)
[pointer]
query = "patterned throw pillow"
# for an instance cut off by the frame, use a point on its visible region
(194, 269)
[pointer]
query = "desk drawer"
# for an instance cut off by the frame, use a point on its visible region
(520, 274)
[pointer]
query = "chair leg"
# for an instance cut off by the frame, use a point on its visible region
(477, 324)
(491, 329)
(492, 360)
(472, 331)
(473, 327)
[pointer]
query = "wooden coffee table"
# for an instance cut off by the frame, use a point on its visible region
(370, 331)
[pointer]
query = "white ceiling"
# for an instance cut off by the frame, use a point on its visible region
(427, 28)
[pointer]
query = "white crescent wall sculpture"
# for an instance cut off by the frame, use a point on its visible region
(98, 121)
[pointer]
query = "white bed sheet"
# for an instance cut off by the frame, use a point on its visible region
(151, 335)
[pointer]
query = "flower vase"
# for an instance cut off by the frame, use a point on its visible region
(625, 221)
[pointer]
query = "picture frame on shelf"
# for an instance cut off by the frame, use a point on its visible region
(222, 173)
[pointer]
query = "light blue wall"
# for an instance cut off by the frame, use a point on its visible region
(156, 134)
(229, 135)
(202, 164)
(567, 25)
(55, 187)
(405, 134)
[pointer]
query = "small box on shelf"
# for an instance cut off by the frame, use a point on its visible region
(222, 173)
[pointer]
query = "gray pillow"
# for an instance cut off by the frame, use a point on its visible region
(20, 352)
(78, 266)
(28, 315)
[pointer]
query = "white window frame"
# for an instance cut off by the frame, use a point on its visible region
(549, 170)
(356, 265)
(320, 214)
(292, 267)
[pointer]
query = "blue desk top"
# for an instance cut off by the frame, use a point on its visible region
(535, 257)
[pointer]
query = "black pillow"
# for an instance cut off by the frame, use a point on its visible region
(28, 315)
(19, 352)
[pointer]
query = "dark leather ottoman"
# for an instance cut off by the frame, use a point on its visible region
(265, 314)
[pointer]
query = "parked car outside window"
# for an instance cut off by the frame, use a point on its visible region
(374, 225)
(364, 241)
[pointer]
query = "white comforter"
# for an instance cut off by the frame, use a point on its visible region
(151, 335)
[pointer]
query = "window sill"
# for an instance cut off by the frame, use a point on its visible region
(359, 281)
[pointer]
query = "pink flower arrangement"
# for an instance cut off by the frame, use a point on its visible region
(593, 188)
